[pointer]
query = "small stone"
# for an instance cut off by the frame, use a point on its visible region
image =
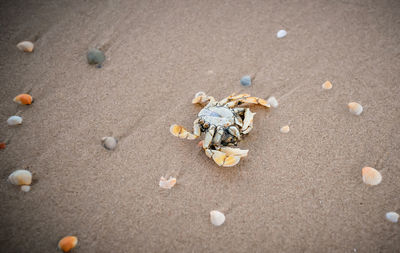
(392, 217)
(217, 218)
(245, 81)
(281, 33)
(109, 143)
(95, 56)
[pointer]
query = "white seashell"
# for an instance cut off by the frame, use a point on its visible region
(392, 217)
(217, 218)
(355, 108)
(371, 176)
(281, 33)
(272, 102)
(109, 142)
(14, 120)
(285, 129)
(25, 46)
(20, 177)
(200, 93)
(167, 184)
(327, 85)
(25, 188)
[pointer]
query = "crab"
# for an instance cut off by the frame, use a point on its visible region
(224, 124)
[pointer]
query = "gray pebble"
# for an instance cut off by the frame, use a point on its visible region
(95, 56)
(245, 81)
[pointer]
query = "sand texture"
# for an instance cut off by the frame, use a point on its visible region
(295, 192)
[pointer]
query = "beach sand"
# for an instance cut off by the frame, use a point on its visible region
(295, 192)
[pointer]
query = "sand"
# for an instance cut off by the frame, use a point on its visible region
(295, 192)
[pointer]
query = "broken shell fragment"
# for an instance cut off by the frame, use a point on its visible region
(355, 108)
(14, 120)
(371, 176)
(109, 142)
(281, 33)
(392, 217)
(20, 177)
(235, 151)
(2, 145)
(67, 243)
(167, 184)
(25, 188)
(285, 129)
(23, 99)
(327, 85)
(95, 56)
(271, 101)
(217, 218)
(25, 46)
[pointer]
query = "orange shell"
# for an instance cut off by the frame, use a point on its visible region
(23, 99)
(68, 243)
(2, 145)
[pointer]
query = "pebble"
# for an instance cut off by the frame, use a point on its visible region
(14, 120)
(281, 33)
(217, 218)
(245, 81)
(25, 46)
(392, 217)
(95, 56)
(109, 143)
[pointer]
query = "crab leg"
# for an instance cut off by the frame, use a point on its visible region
(248, 100)
(201, 98)
(218, 136)
(234, 131)
(209, 136)
(234, 151)
(181, 132)
(221, 158)
(232, 97)
(248, 121)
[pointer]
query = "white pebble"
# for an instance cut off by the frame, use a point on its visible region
(109, 142)
(25, 188)
(281, 34)
(14, 120)
(217, 218)
(272, 102)
(392, 217)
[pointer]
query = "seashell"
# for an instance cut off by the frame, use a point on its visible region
(2, 145)
(20, 177)
(327, 85)
(217, 218)
(23, 99)
(67, 243)
(281, 33)
(14, 120)
(271, 101)
(167, 184)
(109, 143)
(200, 93)
(25, 188)
(371, 176)
(95, 56)
(285, 129)
(25, 46)
(392, 217)
(355, 108)
(245, 81)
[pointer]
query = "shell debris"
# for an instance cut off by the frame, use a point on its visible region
(355, 108)
(281, 33)
(25, 188)
(25, 46)
(2, 145)
(167, 184)
(14, 120)
(67, 243)
(271, 101)
(109, 143)
(392, 217)
(285, 129)
(371, 176)
(20, 177)
(23, 99)
(217, 218)
(327, 85)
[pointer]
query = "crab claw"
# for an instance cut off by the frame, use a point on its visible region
(181, 132)
(235, 151)
(222, 159)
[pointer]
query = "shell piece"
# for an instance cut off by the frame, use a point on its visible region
(23, 99)
(231, 161)
(200, 93)
(245, 81)
(371, 176)
(217, 218)
(327, 85)
(25, 46)
(14, 120)
(95, 56)
(25, 188)
(392, 217)
(285, 129)
(355, 108)
(167, 184)
(67, 243)
(281, 33)
(235, 151)
(109, 143)
(271, 101)
(20, 177)
(2, 145)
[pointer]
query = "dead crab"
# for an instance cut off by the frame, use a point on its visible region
(224, 123)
